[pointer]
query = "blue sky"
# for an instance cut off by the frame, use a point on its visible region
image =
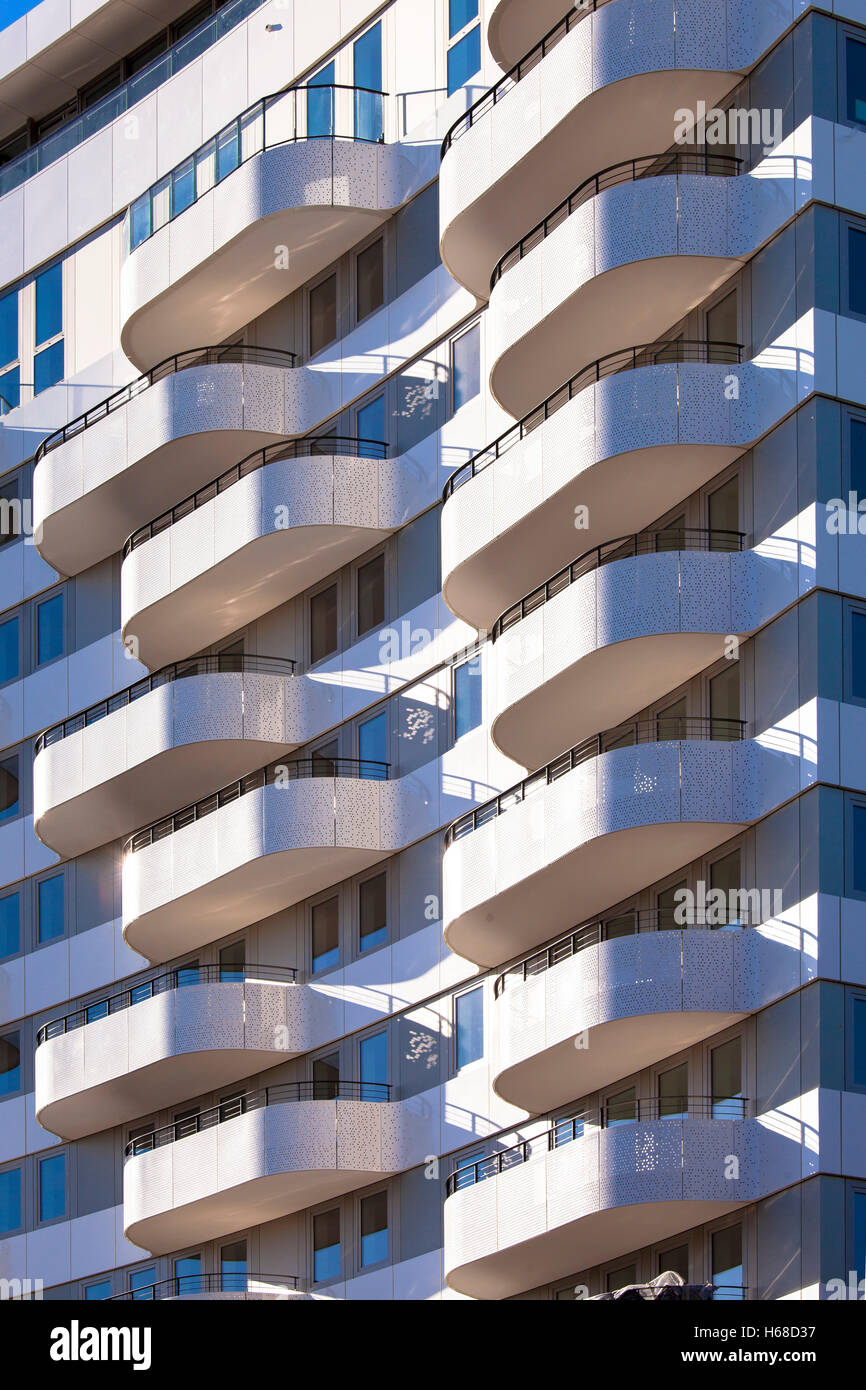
(10, 10)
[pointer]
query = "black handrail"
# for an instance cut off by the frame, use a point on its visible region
(663, 541)
(232, 353)
(609, 1116)
(286, 1093)
(190, 1285)
(275, 774)
(520, 70)
(651, 166)
(664, 728)
(218, 663)
(311, 447)
(673, 350)
(621, 924)
(179, 978)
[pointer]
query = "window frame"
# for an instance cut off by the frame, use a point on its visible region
(454, 339)
(847, 225)
(16, 1031)
(378, 871)
(360, 1198)
(473, 988)
(377, 240)
(40, 603)
(48, 1157)
(475, 661)
(323, 588)
(56, 871)
(17, 1166)
(380, 553)
(332, 273)
(453, 41)
(323, 1210)
(854, 996)
(326, 896)
(852, 802)
(15, 890)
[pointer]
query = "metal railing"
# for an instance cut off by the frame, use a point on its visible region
(191, 1285)
(275, 774)
(673, 350)
(80, 128)
(664, 728)
(609, 1116)
(527, 63)
(311, 447)
(179, 978)
(180, 362)
(622, 924)
(219, 663)
(313, 111)
(664, 541)
(651, 166)
(283, 1094)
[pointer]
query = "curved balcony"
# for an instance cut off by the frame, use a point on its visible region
(280, 193)
(222, 1288)
(267, 529)
(598, 89)
(173, 734)
(613, 449)
(631, 251)
(631, 990)
(621, 626)
(627, 807)
(166, 432)
(255, 1158)
(269, 840)
(194, 1029)
(603, 1183)
(516, 27)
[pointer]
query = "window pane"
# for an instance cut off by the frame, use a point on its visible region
(10, 918)
(676, 1260)
(724, 509)
(858, 655)
(460, 12)
(52, 1187)
(859, 1049)
(859, 1234)
(182, 187)
(232, 961)
(48, 367)
(858, 454)
(228, 151)
(10, 512)
(323, 623)
(187, 1271)
(374, 1228)
(10, 1064)
(858, 836)
(9, 668)
(469, 1025)
(9, 792)
(49, 629)
(370, 269)
(466, 366)
(464, 59)
(49, 303)
(50, 908)
(326, 1077)
(141, 1283)
(856, 271)
(371, 594)
(139, 221)
(367, 52)
(722, 320)
(855, 79)
(326, 934)
(98, 1291)
(725, 876)
(728, 1263)
(233, 1266)
(373, 1053)
(10, 390)
(371, 426)
(373, 912)
(323, 314)
(10, 1200)
(725, 702)
(467, 697)
(727, 1080)
(320, 105)
(673, 1090)
(621, 1278)
(372, 747)
(9, 329)
(326, 1245)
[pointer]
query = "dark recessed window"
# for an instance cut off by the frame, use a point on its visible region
(373, 912)
(9, 788)
(370, 267)
(50, 908)
(856, 271)
(858, 837)
(323, 624)
(10, 1063)
(859, 1048)
(49, 630)
(326, 1245)
(371, 594)
(10, 924)
(857, 469)
(10, 512)
(858, 655)
(100, 1290)
(855, 80)
(323, 314)
(9, 329)
(326, 934)
(10, 1200)
(52, 1187)
(466, 366)
(374, 1228)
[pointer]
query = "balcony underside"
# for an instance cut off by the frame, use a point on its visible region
(515, 26)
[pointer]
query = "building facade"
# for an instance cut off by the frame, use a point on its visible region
(432, 649)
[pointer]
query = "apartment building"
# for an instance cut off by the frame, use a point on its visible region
(433, 649)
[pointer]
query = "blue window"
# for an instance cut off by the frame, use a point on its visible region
(48, 367)
(10, 1064)
(858, 848)
(139, 221)
(464, 59)
(9, 788)
(857, 470)
(233, 1267)
(10, 1200)
(10, 924)
(326, 1245)
(9, 666)
(859, 1234)
(49, 303)
(10, 390)
(858, 655)
(320, 105)
(371, 427)
(101, 1290)
(460, 13)
(469, 1026)
(855, 80)
(49, 629)
(182, 187)
(373, 912)
(141, 1282)
(9, 329)
(374, 1228)
(187, 1272)
(728, 1264)
(856, 271)
(372, 747)
(373, 1055)
(367, 58)
(858, 1016)
(228, 151)
(467, 696)
(466, 366)
(52, 1187)
(50, 908)
(326, 934)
